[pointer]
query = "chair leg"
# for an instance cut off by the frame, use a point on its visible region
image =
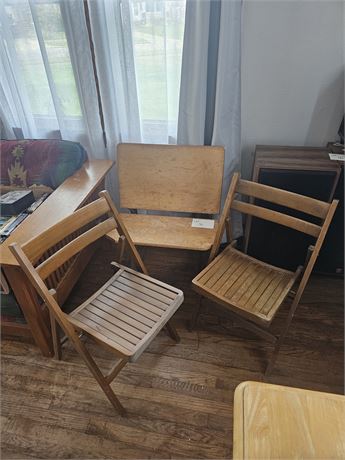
(172, 332)
(282, 336)
(115, 370)
(108, 391)
(101, 379)
(55, 337)
(273, 359)
(194, 320)
(192, 323)
(121, 249)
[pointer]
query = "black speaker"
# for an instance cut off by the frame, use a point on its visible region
(282, 246)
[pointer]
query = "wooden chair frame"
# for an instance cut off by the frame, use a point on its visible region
(323, 211)
(29, 257)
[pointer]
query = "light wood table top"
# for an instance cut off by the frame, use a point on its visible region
(277, 422)
(64, 200)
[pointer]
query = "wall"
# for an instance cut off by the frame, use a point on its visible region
(292, 73)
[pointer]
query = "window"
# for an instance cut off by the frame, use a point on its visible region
(39, 55)
(158, 27)
(36, 58)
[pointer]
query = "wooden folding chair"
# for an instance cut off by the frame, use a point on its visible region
(170, 179)
(124, 315)
(250, 289)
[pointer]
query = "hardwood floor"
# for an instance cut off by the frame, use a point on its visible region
(179, 396)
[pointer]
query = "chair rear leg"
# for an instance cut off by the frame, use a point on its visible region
(172, 332)
(55, 336)
(121, 249)
(192, 323)
(273, 359)
(195, 317)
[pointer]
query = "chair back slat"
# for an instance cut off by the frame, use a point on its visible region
(171, 177)
(277, 217)
(74, 247)
(291, 200)
(37, 246)
(48, 296)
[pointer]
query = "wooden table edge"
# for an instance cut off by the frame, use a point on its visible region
(6, 257)
(238, 418)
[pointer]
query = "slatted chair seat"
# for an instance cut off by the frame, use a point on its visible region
(128, 311)
(246, 285)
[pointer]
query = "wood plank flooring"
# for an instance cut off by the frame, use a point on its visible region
(179, 396)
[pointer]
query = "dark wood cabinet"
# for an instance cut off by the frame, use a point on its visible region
(307, 171)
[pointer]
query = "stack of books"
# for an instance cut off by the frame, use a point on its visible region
(15, 207)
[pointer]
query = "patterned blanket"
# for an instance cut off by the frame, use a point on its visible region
(43, 162)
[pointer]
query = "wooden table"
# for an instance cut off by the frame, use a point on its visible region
(69, 196)
(277, 422)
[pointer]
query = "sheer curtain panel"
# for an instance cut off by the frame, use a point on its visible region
(210, 95)
(138, 46)
(47, 77)
(158, 29)
(112, 40)
(47, 85)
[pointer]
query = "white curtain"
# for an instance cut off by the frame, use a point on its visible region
(210, 104)
(73, 18)
(193, 91)
(112, 39)
(47, 85)
(15, 105)
(138, 52)
(158, 30)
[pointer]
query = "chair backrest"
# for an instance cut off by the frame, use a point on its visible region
(171, 177)
(306, 205)
(68, 238)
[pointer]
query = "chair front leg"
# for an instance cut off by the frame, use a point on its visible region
(282, 336)
(55, 336)
(102, 380)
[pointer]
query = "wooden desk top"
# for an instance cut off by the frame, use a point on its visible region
(277, 422)
(166, 232)
(63, 201)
